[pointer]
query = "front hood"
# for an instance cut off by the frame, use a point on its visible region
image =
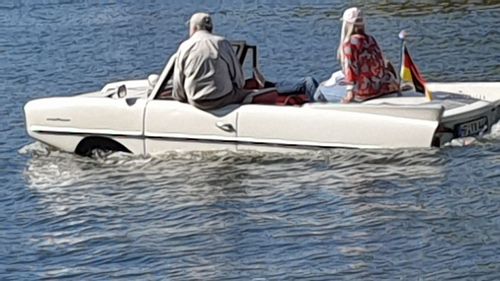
(85, 114)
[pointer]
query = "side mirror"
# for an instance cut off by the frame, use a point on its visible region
(153, 79)
(122, 91)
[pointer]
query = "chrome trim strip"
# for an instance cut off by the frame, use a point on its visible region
(204, 138)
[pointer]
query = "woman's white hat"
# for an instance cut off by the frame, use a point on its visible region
(353, 15)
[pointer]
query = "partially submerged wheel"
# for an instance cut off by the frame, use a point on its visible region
(89, 144)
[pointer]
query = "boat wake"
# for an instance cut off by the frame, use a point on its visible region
(49, 168)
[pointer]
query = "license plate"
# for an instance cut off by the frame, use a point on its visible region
(472, 128)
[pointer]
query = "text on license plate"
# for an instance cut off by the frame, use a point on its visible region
(472, 128)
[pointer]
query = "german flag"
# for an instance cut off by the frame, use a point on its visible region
(411, 75)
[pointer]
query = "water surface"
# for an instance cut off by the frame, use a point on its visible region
(408, 214)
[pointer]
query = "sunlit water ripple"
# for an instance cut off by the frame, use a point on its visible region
(342, 214)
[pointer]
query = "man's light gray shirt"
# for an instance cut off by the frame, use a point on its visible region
(206, 68)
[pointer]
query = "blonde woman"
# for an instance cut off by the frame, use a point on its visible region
(362, 61)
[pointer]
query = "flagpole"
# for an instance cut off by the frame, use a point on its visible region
(422, 83)
(402, 36)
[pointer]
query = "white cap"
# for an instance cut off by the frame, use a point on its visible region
(353, 15)
(202, 21)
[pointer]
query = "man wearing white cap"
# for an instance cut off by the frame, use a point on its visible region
(362, 61)
(207, 73)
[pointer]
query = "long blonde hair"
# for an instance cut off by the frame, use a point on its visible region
(348, 29)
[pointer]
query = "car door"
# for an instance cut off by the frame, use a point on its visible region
(172, 125)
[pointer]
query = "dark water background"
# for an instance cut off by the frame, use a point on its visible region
(412, 214)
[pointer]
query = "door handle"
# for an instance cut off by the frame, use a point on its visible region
(225, 127)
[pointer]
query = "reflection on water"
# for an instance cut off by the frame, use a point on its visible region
(329, 213)
(67, 169)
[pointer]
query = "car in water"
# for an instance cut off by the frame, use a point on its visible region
(141, 117)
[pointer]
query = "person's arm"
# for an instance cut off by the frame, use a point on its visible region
(349, 96)
(178, 77)
(350, 71)
(377, 47)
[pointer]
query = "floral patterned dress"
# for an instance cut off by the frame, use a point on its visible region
(364, 68)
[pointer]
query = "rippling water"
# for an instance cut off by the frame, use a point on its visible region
(413, 214)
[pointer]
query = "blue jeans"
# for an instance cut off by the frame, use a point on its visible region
(308, 85)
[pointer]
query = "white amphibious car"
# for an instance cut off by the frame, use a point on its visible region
(141, 117)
